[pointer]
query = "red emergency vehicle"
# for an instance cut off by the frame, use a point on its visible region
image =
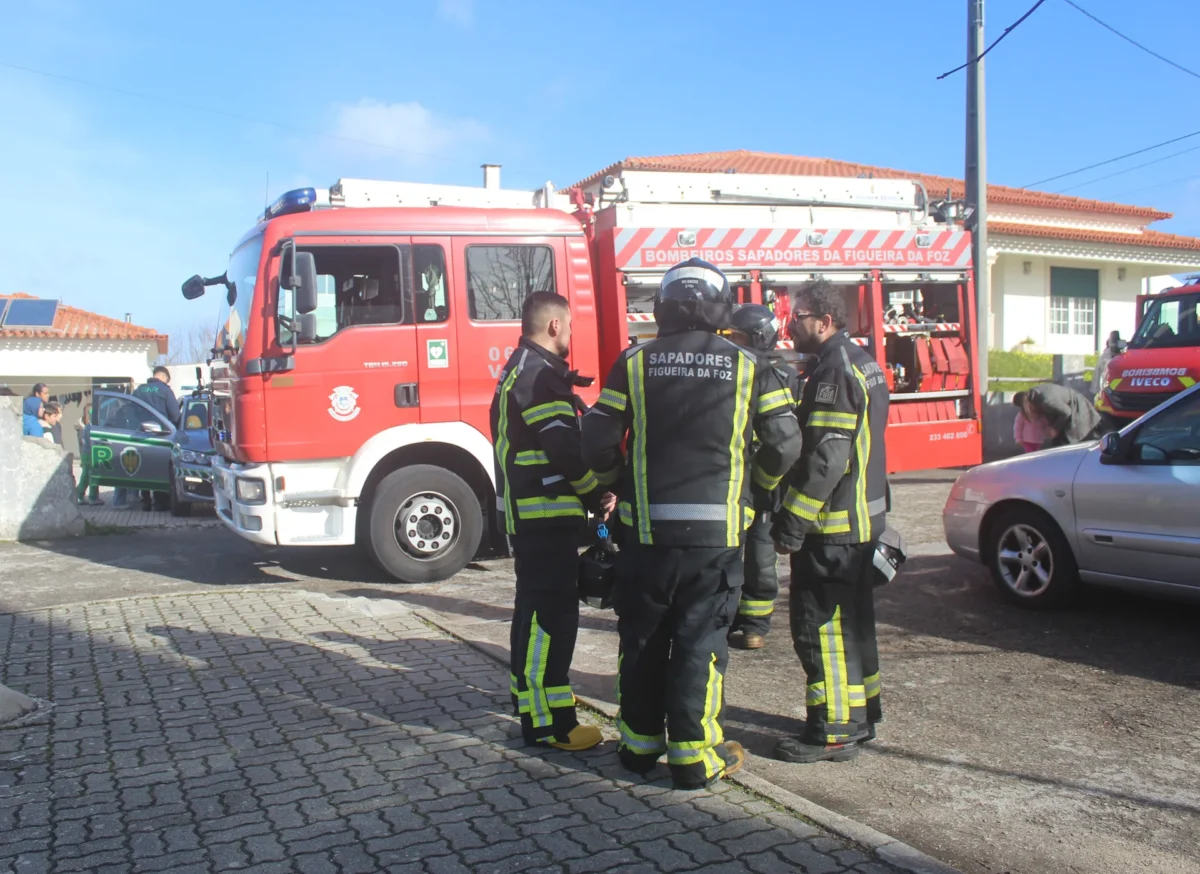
(1161, 360)
(367, 325)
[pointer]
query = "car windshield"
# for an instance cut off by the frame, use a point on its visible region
(195, 415)
(243, 274)
(1170, 322)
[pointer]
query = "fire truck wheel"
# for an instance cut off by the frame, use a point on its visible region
(1031, 562)
(425, 524)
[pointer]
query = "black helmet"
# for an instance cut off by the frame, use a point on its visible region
(693, 296)
(598, 572)
(889, 556)
(758, 323)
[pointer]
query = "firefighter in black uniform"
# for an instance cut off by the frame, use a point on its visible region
(544, 492)
(754, 327)
(832, 515)
(691, 403)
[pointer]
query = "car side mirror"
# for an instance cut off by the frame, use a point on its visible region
(154, 428)
(1111, 449)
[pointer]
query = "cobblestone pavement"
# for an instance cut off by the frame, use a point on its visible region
(105, 515)
(271, 731)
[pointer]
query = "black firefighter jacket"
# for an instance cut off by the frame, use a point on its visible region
(691, 404)
(541, 480)
(837, 491)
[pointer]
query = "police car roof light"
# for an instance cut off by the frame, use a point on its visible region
(296, 200)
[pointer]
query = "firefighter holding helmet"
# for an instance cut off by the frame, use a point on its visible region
(754, 327)
(831, 519)
(691, 403)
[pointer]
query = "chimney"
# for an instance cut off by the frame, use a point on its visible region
(491, 176)
(129, 318)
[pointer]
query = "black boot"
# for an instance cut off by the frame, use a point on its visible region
(798, 752)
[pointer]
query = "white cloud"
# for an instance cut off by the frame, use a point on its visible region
(406, 128)
(460, 12)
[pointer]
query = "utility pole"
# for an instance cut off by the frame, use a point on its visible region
(976, 178)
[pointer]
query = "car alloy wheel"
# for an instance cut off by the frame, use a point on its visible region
(1025, 561)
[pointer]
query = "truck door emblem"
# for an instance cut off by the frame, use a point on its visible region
(343, 403)
(436, 354)
(131, 460)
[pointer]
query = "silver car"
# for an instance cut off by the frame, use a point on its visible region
(1122, 512)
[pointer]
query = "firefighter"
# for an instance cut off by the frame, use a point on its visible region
(755, 327)
(545, 490)
(832, 513)
(691, 402)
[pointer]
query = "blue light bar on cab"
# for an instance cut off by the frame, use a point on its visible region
(296, 200)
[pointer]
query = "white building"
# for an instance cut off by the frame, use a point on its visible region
(73, 351)
(1065, 270)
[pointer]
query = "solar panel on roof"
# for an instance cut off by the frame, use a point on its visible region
(25, 313)
(3, 308)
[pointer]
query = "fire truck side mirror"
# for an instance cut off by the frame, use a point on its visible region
(304, 282)
(193, 288)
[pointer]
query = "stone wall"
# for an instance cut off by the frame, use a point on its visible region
(37, 492)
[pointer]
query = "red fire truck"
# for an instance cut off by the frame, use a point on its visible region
(367, 325)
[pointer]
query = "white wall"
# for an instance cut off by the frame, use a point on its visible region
(45, 359)
(1021, 303)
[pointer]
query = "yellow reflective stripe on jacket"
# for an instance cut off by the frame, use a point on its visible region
(502, 449)
(536, 654)
(542, 412)
(642, 744)
(625, 513)
(774, 400)
(641, 488)
(744, 382)
(755, 608)
(531, 456)
(588, 482)
(831, 419)
(835, 522)
(799, 504)
(748, 515)
(608, 477)
(764, 480)
(613, 398)
(862, 452)
(549, 508)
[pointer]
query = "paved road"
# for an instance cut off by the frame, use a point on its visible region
(269, 731)
(1014, 741)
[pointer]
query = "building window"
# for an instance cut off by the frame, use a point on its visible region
(1074, 297)
(1075, 316)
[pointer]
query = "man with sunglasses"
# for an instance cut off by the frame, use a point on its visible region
(832, 514)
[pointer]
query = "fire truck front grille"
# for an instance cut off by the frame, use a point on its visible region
(1138, 402)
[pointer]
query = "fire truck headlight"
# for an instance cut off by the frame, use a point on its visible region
(251, 491)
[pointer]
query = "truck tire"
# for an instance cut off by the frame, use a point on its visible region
(1031, 562)
(425, 524)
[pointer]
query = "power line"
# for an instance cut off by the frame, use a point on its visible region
(1113, 160)
(1179, 181)
(983, 54)
(1128, 169)
(226, 114)
(1130, 40)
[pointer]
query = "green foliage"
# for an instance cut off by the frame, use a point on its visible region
(1027, 365)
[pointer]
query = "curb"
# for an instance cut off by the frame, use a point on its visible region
(888, 849)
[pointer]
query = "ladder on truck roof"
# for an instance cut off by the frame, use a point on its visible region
(383, 193)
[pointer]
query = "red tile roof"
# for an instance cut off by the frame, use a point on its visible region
(744, 161)
(1147, 238)
(77, 324)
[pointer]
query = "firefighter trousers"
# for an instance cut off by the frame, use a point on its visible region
(833, 630)
(545, 624)
(761, 585)
(674, 606)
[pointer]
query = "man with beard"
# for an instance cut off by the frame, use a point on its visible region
(832, 516)
(544, 492)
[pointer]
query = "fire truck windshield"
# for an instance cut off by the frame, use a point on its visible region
(1170, 322)
(242, 275)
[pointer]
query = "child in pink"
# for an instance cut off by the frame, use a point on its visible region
(1027, 427)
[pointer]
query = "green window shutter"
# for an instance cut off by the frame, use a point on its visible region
(1074, 282)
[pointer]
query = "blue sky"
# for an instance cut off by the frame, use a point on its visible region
(113, 199)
